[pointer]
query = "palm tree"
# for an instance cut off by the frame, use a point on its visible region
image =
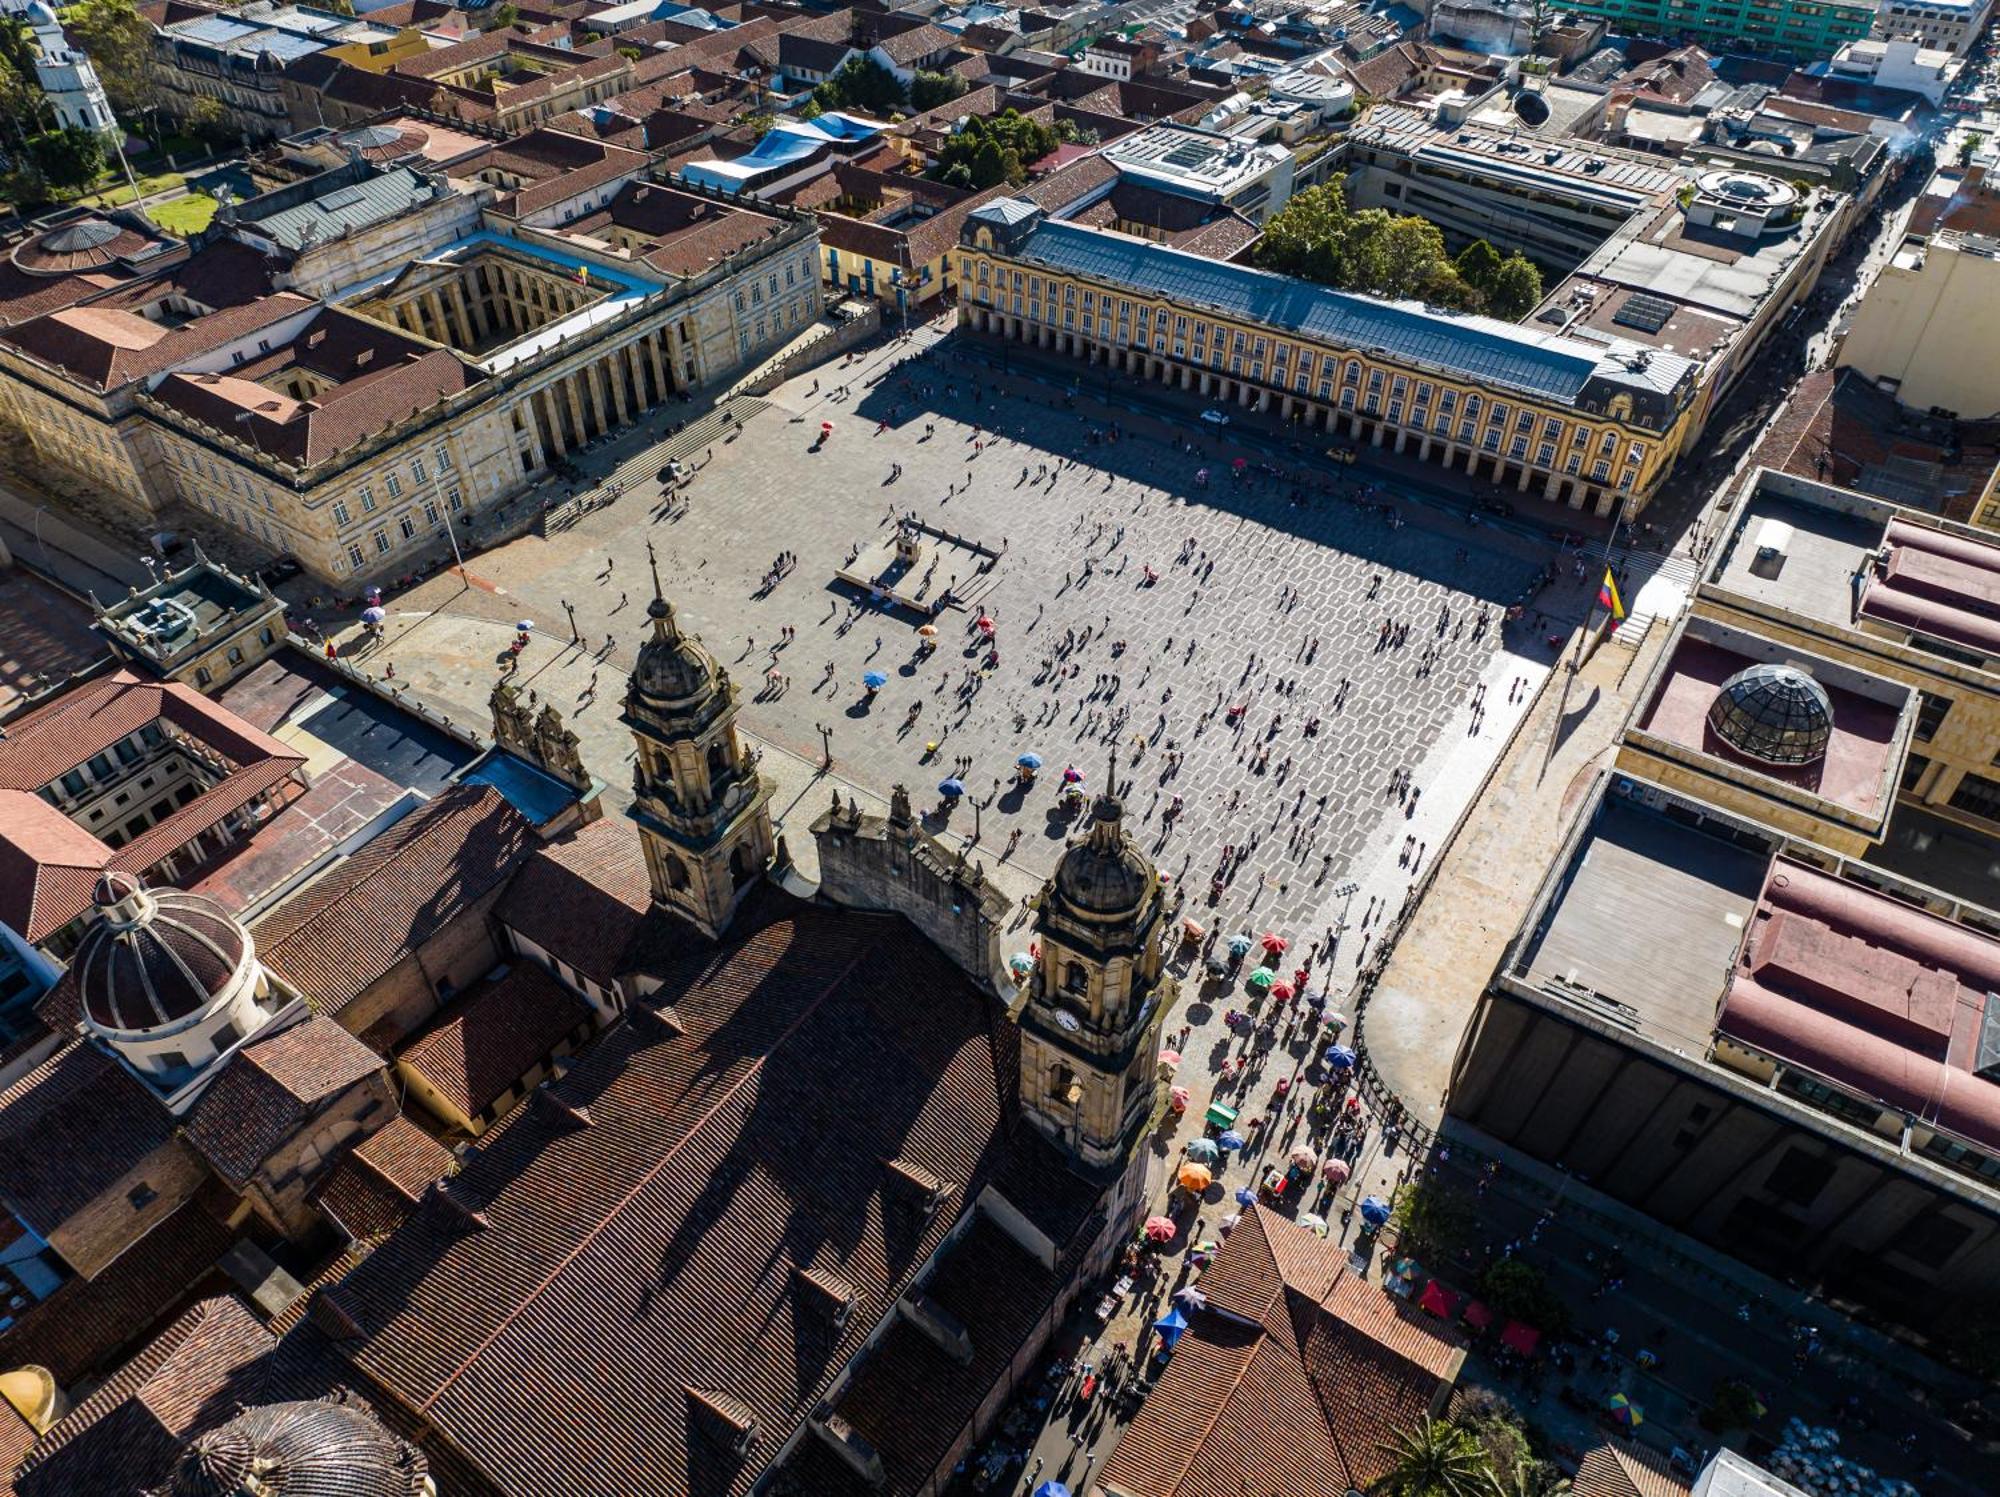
(1438, 1459)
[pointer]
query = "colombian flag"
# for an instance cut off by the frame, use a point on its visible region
(583, 274)
(1607, 597)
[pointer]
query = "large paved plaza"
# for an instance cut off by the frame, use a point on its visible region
(1260, 602)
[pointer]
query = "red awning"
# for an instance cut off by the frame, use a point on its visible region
(1521, 1338)
(1477, 1315)
(1438, 1300)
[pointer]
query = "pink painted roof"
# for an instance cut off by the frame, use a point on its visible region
(1943, 585)
(1871, 994)
(1853, 773)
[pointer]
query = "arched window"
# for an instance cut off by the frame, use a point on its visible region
(677, 872)
(1075, 979)
(741, 867)
(718, 761)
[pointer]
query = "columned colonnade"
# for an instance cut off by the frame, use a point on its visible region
(1314, 415)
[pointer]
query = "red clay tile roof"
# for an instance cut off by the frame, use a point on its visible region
(490, 1037)
(1629, 1471)
(654, 1249)
(270, 1089)
(82, 1328)
(1293, 1376)
(126, 1435)
(45, 744)
(343, 931)
(680, 233)
(382, 1179)
(908, 47)
(581, 898)
(105, 344)
(72, 1128)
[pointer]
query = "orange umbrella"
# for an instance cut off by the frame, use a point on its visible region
(1196, 1178)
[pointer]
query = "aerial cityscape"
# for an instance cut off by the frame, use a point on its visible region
(816, 748)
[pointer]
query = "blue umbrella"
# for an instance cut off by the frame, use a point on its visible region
(1030, 761)
(1245, 1195)
(1239, 945)
(1170, 1326)
(874, 680)
(1230, 1140)
(1340, 1058)
(1051, 1489)
(951, 789)
(373, 615)
(1375, 1211)
(1020, 964)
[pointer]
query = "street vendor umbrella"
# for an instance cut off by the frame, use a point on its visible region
(1171, 1059)
(1239, 945)
(525, 625)
(373, 615)
(1262, 979)
(874, 680)
(1192, 929)
(1245, 1196)
(826, 428)
(985, 624)
(1304, 1158)
(1072, 775)
(1374, 1211)
(951, 789)
(1230, 1139)
(1195, 1178)
(927, 631)
(1624, 1411)
(1020, 964)
(1215, 966)
(1521, 1338)
(1203, 1150)
(1274, 943)
(1334, 1172)
(1190, 1296)
(1282, 991)
(1170, 1326)
(1179, 1098)
(1340, 1058)
(1030, 761)
(1051, 1489)
(1239, 462)
(1312, 1221)
(1160, 1229)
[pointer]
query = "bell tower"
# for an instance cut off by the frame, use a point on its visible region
(1098, 996)
(702, 808)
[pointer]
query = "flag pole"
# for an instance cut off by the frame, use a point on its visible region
(1604, 562)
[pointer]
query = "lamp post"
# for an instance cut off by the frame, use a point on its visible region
(825, 746)
(570, 609)
(39, 544)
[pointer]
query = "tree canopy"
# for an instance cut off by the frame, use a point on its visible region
(1438, 1459)
(120, 43)
(1400, 256)
(929, 90)
(68, 159)
(993, 149)
(863, 85)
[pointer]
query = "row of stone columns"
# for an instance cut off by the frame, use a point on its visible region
(603, 395)
(1374, 428)
(504, 298)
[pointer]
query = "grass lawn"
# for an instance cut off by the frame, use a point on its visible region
(184, 215)
(120, 195)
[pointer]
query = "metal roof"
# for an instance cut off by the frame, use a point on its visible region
(375, 200)
(1479, 348)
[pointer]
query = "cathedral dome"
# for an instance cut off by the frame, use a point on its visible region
(672, 666)
(1774, 713)
(311, 1449)
(154, 958)
(1104, 875)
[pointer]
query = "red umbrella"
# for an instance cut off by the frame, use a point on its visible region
(1160, 1229)
(985, 624)
(1334, 1172)
(1477, 1315)
(1520, 1338)
(1437, 1300)
(1282, 991)
(1275, 943)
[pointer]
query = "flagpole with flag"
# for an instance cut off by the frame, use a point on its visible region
(1607, 593)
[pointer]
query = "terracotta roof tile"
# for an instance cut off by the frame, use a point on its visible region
(72, 1128)
(1626, 1471)
(491, 1036)
(339, 934)
(581, 898)
(381, 1180)
(269, 1089)
(723, 1151)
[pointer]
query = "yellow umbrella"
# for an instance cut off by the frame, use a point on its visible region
(1195, 1178)
(929, 631)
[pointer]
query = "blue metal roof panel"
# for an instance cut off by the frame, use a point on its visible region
(1480, 347)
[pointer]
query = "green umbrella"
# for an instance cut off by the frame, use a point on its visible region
(1262, 979)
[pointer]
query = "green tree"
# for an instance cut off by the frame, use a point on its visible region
(1438, 1459)
(1517, 1290)
(1317, 236)
(1516, 288)
(1431, 1221)
(1476, 264)
(992, 150)
(120, 43)
(929, 90)
(208, 120)
(22, 104)
(811, 109)
(69, 159)
(759, 125)
(863, 85)
(502, 16)
(1732, 1404)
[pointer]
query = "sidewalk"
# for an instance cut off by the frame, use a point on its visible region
(41, 536)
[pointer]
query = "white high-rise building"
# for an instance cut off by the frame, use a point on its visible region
(65, 73)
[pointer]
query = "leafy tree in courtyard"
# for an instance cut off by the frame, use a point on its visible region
(207, 119)
(1431, 1221)
(929, 90)
(1438, 1459)
(502, 16)
(120, 43)
(1516, 289)
(1476, 264)
(992, 150)
(1317, 236)
(68, 159)
(863, 85)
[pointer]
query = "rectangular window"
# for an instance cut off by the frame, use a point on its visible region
(340, 516)
(1931, 713)
(408, 526)
(1978, 795)
(455, 499)
(417, 469)
(1799, 1177)
(430, 512)
(381, 538)
(354, 558)
(393, 484)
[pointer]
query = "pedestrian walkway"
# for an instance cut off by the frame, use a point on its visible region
(59, 548)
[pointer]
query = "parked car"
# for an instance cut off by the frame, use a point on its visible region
(1215, 418)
